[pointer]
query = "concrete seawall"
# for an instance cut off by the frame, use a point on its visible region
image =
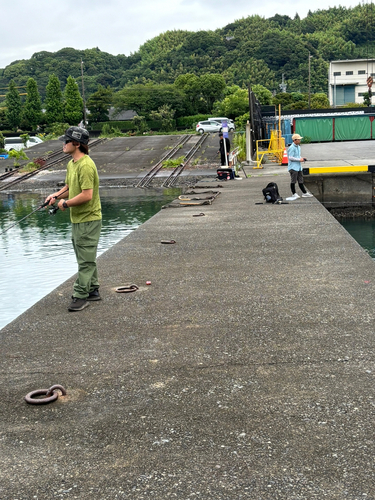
(245, 370)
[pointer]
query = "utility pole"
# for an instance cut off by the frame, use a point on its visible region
(334, 91)
(309, 80)
(249, 131)
(83, 95)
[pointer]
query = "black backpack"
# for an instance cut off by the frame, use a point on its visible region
(271, 193)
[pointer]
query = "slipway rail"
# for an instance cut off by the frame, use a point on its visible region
(45, 162)
(171, 180)
(146, 179)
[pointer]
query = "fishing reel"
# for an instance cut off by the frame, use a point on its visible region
(53, 210)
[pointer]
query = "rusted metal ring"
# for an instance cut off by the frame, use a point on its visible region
(51, 395)
(126, 288)
(199, 215)
(168, 242)
(55, 388)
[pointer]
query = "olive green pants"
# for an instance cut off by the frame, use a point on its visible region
(85, 238)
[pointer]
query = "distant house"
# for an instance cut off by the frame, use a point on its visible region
(347, 80)
(122, 116)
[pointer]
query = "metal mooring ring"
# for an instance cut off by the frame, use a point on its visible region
(126, 288)
(199, 215)
(51, 395)
(168, 242)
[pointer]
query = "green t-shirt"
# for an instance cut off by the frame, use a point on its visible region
(80, 175)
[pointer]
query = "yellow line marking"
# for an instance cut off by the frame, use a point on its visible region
(330, 170)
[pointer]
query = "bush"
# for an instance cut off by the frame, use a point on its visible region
(30, 167)
(353, 105)
(165, 115)
(239, 141)
(140, 124)
(241, 121)
(173, 163)
(17, 155)
(55, 130)
(25, 138)
(185, 122)
(128, 125)
(125, 125)
(109, 130)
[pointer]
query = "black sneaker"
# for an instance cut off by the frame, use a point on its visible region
(95, 295)
(78, 304)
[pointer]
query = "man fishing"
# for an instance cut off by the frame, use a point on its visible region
(81, 195)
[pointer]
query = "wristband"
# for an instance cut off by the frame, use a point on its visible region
(65, 205)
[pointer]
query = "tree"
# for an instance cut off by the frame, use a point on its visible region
(54, 101)
(263, 95)
(32, 111)
(190, 85)
(319, 101)
(366, 99)
(73, 108)
(284, 98)
(212, 88)
(293, 100)
(252, 71)
(4, 124)
(164, 114)
(146, 98)
(98, 104)
(14, 106)
(233, 105)
(140, 124)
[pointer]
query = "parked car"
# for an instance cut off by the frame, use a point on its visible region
(230, 123)
(208, 126)
(17, 143)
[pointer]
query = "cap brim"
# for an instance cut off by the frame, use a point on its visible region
(64, 138)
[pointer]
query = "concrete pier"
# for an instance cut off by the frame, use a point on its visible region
(245, 370)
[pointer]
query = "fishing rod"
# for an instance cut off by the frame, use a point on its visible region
(52, 211)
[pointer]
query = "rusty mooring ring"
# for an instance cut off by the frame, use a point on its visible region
(126, 288)
(51, 395)
(199, 215)
(168, 242)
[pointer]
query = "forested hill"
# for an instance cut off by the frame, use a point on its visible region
(252, 49)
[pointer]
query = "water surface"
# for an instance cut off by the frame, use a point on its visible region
(36, 255)
(363, 231)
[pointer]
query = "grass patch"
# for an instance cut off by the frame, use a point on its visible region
(173, 163)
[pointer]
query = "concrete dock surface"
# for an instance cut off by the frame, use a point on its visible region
(245, 370)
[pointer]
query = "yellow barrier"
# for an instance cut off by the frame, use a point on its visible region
(275, 151)
(332, 170)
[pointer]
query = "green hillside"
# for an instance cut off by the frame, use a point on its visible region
(250, 50)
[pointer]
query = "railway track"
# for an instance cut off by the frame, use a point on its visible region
(146, 179)
(171, 180)
(45, 162)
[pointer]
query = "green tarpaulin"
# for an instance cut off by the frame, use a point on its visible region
(352, 128)
(316, 129)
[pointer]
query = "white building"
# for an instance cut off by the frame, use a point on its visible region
(347, 80)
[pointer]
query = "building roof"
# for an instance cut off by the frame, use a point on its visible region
(352, 60)
(127, 114)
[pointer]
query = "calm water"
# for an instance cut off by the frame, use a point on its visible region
(363, 231)
(37, 255)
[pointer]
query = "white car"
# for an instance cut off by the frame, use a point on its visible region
(230, 123)
(17, 143)
(208, 126)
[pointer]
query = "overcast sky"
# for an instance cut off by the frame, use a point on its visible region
(122, 26)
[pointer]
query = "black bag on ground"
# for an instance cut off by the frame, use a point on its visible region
(271, 193)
